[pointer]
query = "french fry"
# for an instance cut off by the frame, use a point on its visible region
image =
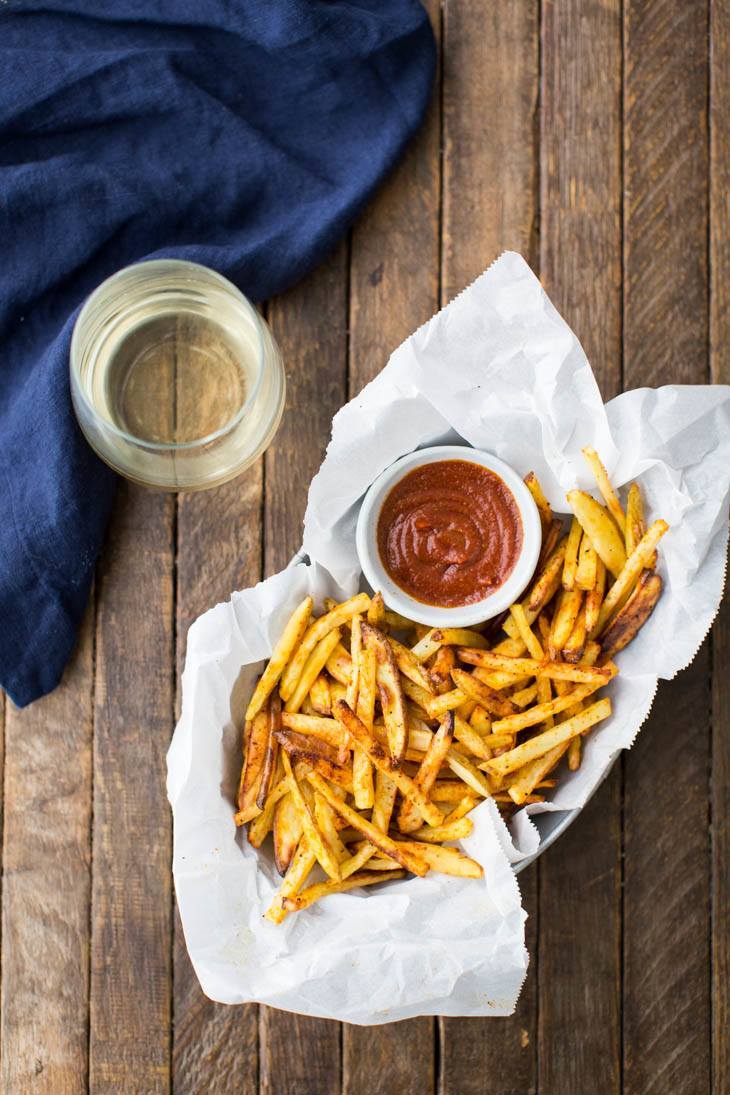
(449, 790)
(635, 526)
(472, 685)
(408, 817)
(629, 620)
(262, 824)
(446, 636)
(257, 734)
(573, 649)
(637, 561)
(413, 863)
(566, 614)
(549, 542)
(462, 808)
(355, 649)
(409, 666)
(320, 697)
(314, 893)
(447, 701)
(570, 564)
(327, 729)
(391, 693)
(600, 528)
(480, 720)
(339, 666)
(468, 773)
(528, 636)
(378, 757)
(314, 635)
(548, 581)
(362, 855)
(440, 671)
(574, 753)
(396, 622)
(280, 655)
(445, 859)
(327, 820)
(469, 737)
(313, 666)
(537, 714)
(301, 866)
(524, 696)
(457, 830)
(543, 743)
(317, 754)
(376, 612)
(594, 598)
(287, 832)
(385, 792)
(273, 715)
(585, 575)
(325, 855)
(543, 506)
(362, 772)
(605, 487)
(533, 668)
(530, 775)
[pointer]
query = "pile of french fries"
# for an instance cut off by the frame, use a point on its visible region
(369, 738)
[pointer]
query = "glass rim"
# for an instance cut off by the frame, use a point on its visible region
(97, 298)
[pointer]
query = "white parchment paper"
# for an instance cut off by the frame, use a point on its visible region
(499, 368)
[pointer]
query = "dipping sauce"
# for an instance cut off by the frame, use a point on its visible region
(449, 533)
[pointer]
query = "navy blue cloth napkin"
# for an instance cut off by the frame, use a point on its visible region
(242, 134)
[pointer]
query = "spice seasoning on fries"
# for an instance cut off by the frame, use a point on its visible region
(369, 738)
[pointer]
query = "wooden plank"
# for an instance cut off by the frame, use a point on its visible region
(46, 884)
(394, 288)
(720, 374)
(298, 1054)
(490, 171)
(131, 892)
(667, 875)
(580, 264)
(215, 1047)
(490, 167)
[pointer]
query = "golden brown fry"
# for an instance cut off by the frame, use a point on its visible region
(585, 575)
(450, 790)
(441, 666)
(637, 561)
(462, 808)
(472, 684)
(468, 773)
(537, 714)
(574, 753)
(480, 720)
(323, 889)
(313, 666)
(319, 845)
(376, 612)
(262, 824)
(570, 564)
(446, 636)
(631, 618)
(287, 832)
(566, 614)
(302, 864)
(314, 635)
(524, 696)
(457, 830)
(391, 693)
(339, 666)
(408, 817)
(272, 748)
(355, 651)
(316, 754)
(573, 649)
(543, 743)
(320, 697)
(594, 598)
(528, 636)
(445, 859)
(546, 514)
(413, 863)
(280, 655)
(409, 666)
(377, 755)
(469, 737)
(600, 528)
(257, 733)
(385, 792)
(327, 729)
(635, 526)
(533, 668)
(396, 622)
(327, 822)
(531, 775)
(605, 487)
(549, 542)
(362, 772)
(548, 580)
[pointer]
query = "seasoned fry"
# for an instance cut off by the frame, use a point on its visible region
(327, 729)
(533, 668)
(376, 612)
(445, 859)
(410, 666)
(574, 753)
(396, 622)
(634, 614)
(546, 514)
(594, 598)
(462, 808)
(528, 777)
(604, 485)
(446, 636)
(549, 542)
(287, 832)
(272, 748)
(441, 666)
(564, 619)
(600, 528)
(468, 773)
(391, 693)
(543, 743)
(362, 772)
(572, 547)
(313, 666)
(257, 734)
(408, 817)
(573, 649)
(325, 855)
(472, 684)
(637, 561)
(317, 754)
(327, 820)
(585, 575)
(314, 634)
(548, 580)
(282, 652)
(635, 526)
(263, 823)
(457, 830)
(537, 714)
(480, 720)
(339, 666)
(362, 737)
(320, 696)
(528, 636)
(301, 866)
(355, 658)
(413, 863)
(323, 889)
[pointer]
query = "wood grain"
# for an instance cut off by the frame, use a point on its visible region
(300, 1055)
(580, 263)
(215, 1047)
(490, 173)
(720, 374)
(46, 884)
(394, 288)
(667, 870)
(490, 123)
(131, 893)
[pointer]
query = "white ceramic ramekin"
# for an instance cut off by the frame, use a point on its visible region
(460, 615)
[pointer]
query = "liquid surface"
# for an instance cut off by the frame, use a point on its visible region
(449, 533)
(174, 378)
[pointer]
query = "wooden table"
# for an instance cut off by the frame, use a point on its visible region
(580, 133)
